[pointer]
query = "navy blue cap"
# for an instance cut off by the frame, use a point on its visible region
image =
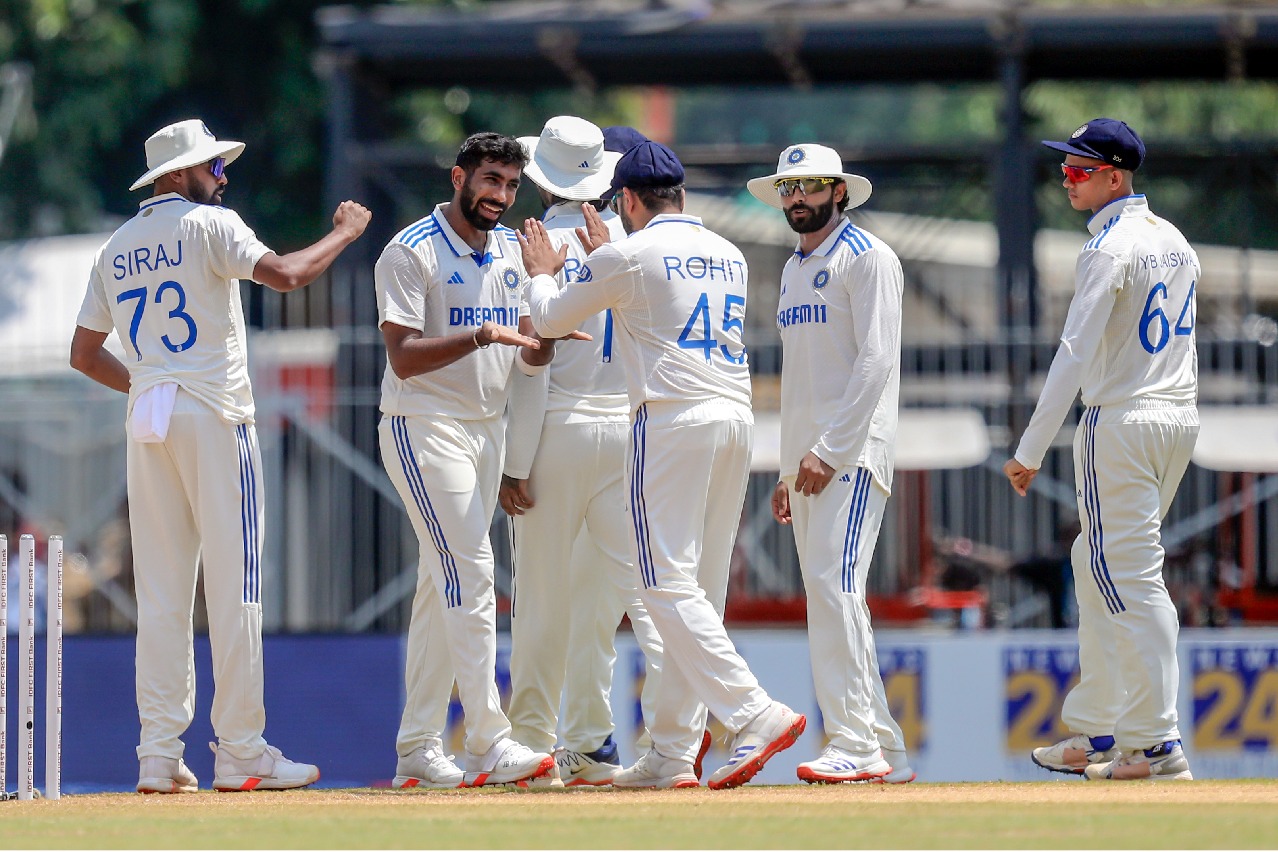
(647, 164)
(620, 138)
(1106, 139)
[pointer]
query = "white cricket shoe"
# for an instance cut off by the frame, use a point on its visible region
(901, 772)
(654, 772)
(270, 770)
(506, 762)
(428, 766)
(165, 775)
(1164, 762)
(588, 768)
(775, 729)
(836, 765)
(1075, 754)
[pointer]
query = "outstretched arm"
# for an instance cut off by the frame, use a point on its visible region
(411, 353)
(297, 269)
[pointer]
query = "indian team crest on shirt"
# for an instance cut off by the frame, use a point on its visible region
(1079, 132)
(821, 279)
(796, 156)
(511, 279)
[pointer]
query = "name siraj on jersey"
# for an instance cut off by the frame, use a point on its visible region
(143, 259)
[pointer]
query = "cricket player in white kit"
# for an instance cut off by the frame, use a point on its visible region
(565, 458)
(840, 322)
(678, 295)
(449, 286)
(166, 283)
(1129, 345)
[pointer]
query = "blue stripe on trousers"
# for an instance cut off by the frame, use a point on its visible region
(1096, 530)
(417, 487)
(638, 510)
(251, 587)
(852, 538)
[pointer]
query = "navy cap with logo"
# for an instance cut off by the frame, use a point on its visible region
(621, 138)
(647, 164)
(1106, 139)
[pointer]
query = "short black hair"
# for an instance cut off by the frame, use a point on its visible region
(653, 197)
(479, 147)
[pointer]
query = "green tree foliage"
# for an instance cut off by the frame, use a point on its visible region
(108, 73)
(97, 65)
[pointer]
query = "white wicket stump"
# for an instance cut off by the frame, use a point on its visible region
(4, 664)
(53, 673)
(25, 757)
(26, 670)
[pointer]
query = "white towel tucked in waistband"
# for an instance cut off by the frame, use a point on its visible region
(151, 412)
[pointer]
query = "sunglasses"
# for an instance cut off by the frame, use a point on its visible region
(217, 166)
(810, 185)
(614, 203)
(1078, 174)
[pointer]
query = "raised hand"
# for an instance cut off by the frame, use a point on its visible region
(540, 256)
(596, 232)
(353, 217)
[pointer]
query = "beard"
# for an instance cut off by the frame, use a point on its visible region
(196, 191)
(470, 210)
(626, 222)
(817, 217)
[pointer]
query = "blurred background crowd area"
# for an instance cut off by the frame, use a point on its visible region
(940, 103)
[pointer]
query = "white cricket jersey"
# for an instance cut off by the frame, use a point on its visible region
(1129, 333)
(584, 379)
(678, 297)
(166, 282)
(840, 321)
(429, 279)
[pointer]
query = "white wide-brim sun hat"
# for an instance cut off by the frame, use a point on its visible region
(808, 160)
(568, 159)
(182, 145)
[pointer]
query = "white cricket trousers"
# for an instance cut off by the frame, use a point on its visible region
(686, 482)
(1128, 461)
(568, 600)
(197, 498)
(835, 533)
(447, 472)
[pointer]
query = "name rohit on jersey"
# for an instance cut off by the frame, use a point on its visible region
(479, 316)
(801, 315)
(138, 260)
(699, 268)
(1169, 260)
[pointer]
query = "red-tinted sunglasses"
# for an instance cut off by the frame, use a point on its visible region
(217, 166)
(1078, 174)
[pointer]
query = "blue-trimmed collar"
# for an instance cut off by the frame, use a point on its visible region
(828, 244)
(493, 246)
(663, 218)
(1102, 217)
(159, 199)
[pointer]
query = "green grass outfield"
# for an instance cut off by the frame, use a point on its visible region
(1053, 814)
